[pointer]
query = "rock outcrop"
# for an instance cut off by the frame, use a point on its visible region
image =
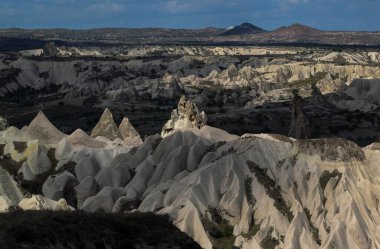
(38, 202)
(50, 50)
(219, 188)
(361, 94)
(300, 126)
(123, 94)
(106, 127)
(365, 89)
(43, 130)
(168, 88)
(319, 100)
(187, 115)
(3, 124)
(128, 133)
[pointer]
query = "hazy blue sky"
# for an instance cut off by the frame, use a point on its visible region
(268, 14)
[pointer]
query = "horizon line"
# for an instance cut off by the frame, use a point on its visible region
(183, 28)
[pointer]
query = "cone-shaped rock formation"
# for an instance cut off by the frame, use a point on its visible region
(128, 133)
(42, 129)
(106, 127)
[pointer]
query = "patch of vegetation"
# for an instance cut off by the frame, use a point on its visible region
(219, 230)
(69, 167)
(10, 165)
(252, 232)
(20, 147)
(253, 229)
(281, 138)
(8, 75)
(294, 159)
(332, 149)
(41, 229)
(2, 146)
(337, 211)
(269, 242)
(211, 148)
(308, 176)
(309, 81)
(248, 191)
(327, 175)
(35, 186)
(51, 155)
(314, 230)
(280, 163)
(133, 150)
(273, 191)
(230, 151)
(131, 205)
(340, 60)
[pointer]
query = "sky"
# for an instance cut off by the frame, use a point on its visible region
(268, 14)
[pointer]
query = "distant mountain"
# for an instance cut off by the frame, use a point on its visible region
(296, 29)
(298, 33)
(243, 29)
(15, 39)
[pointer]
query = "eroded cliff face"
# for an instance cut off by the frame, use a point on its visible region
(328, 77)
(129, 77)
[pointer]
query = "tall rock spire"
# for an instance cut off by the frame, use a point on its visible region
(187, 115)
(300, 126)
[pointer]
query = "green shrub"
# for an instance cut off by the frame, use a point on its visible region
(272, 190)
(219, 230)
(269, 242)
(326, 176)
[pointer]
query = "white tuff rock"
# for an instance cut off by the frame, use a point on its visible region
(128, 133)
(187, 115)
(42, 129)
(106, 127)
(254, 189)
(38, 202)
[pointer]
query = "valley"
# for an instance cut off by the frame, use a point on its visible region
(244, 87)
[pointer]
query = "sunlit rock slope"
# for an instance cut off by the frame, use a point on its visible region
(254, 191)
